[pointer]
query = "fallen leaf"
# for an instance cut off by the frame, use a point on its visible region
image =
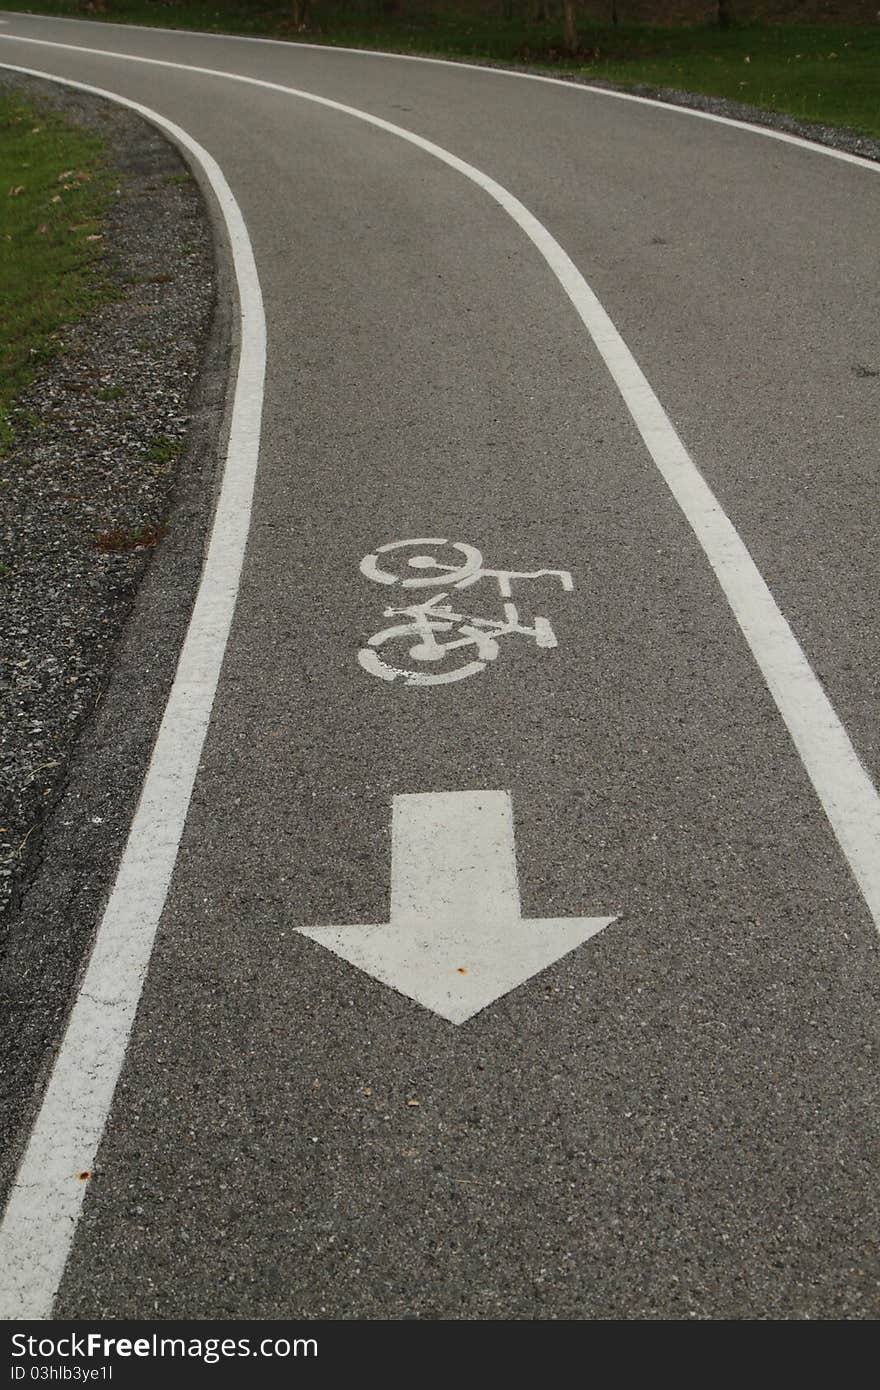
(42, 229)
(16, 189)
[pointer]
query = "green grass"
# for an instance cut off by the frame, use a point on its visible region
(819, 72)
(826, 74)
(140, 538)
(54, 190)
(163, 450)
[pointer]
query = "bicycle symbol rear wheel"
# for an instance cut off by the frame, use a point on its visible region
(376, 665)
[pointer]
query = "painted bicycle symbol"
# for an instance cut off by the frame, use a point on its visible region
(469, 642)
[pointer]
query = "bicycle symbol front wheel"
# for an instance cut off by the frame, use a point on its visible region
(463, 566)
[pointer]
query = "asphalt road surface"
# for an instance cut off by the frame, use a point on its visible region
(669, 1114)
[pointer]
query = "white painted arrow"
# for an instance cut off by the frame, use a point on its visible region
(456, 940)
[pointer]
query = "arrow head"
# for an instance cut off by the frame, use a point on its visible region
(457, 971)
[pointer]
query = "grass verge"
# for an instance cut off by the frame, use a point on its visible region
(54, 191)
(827, 73)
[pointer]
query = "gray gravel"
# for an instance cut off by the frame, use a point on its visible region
(89, 480)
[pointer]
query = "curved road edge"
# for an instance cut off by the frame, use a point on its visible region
(63, 897)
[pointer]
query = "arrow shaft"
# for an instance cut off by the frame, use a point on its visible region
(453, 857)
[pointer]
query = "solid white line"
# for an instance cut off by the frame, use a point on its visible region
(44, 1205)
(849, 798)
(736, 123)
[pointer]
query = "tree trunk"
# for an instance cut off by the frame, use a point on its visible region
(725, 13)
(301, 13)
(614, 12)
(569, 27)
(507, 9)
(542, 11)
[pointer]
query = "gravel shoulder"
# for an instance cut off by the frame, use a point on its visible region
(105, 507)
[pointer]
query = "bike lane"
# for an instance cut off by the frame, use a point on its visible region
(294, 1138)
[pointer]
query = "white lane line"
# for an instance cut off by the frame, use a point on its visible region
(737, 124)
(846, 792)
(45, 1201)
